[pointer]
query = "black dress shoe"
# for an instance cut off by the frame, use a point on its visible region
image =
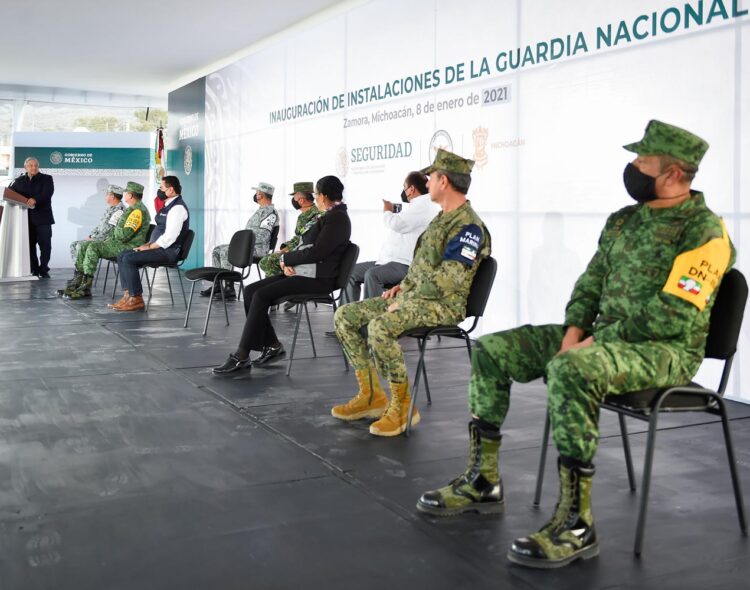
(44, 275)
(229, 294)
(331, 334)
(268, 354)
(207, 292)
(232, 365)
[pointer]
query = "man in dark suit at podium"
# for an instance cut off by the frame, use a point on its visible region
(38, 188)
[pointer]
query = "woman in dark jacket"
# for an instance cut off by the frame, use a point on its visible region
(311, 268)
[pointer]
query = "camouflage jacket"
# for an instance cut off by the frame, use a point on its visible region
(305, 218)
(446, 259)
(653, 276)
(108, 222)
(262, 223)
(132, 226)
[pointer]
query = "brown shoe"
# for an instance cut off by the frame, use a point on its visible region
(125, 297)
(133, 304)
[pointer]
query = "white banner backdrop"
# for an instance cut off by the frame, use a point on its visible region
(79, 199)
(542, 94)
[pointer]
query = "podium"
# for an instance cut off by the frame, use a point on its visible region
(15, 258)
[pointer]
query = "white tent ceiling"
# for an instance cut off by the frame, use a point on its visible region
(136, 47)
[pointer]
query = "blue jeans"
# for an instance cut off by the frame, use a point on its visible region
(131, 261)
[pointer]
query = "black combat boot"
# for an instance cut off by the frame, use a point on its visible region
(83, 290)
(479, 488)
(72, 284)
(570, 534)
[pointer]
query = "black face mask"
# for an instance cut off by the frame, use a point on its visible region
(640, 186)
(255, 198)
(161, 194)
(404, 198)
(295, 204)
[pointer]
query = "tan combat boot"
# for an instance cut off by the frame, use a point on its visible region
(393, 421)
(368, 403)
(133, 304)
(121, 302)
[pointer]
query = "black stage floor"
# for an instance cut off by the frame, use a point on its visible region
(125, 465)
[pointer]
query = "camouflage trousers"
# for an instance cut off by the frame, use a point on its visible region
(270, 264)
(383, 330)
(75, 247)
(219, 256)
(90, 252)
(577, 381)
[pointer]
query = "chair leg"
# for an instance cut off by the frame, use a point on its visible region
(182, 287)
(542, 461)
(190, 304)
(309, 329)
(98, 268)
(294, 340)
(415, 389)
(106, 276)
(733, 466)
(224, 301)
(166, 270)
(210, 303)
(646, 484)
(626, 448)
(150, 286)
(117, 276)
(423, 348)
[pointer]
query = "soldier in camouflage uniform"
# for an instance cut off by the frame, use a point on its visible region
(108, 221)
(638, 318)
(129, 233)
(304, 201)
(433, 293)
(262, 223)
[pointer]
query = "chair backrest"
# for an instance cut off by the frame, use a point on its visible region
(348, 260)
(241, 246)
(726, 316)
(151, 229)
(274, 238)
(481, 287)
(187, 243)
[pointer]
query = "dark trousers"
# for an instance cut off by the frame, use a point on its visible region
(130, 263)
(42, 235)
(258, 331)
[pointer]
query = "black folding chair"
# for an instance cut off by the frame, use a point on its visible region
(271, 247)
(475, 306)
(646, 405)
(348, 260)
(240, 254)
(187, 243)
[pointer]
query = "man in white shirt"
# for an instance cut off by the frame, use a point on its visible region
(402, 230)
(172, 225)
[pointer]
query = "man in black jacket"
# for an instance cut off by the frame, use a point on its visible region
(38, 188)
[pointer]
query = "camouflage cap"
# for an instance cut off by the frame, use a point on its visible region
(134, 187)
(264, 187)
(449, 162)
(662, 138)
(115, 190)
(302, 187)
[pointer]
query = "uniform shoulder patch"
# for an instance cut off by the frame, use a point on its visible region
(464, 246)
(134, 220)
(115, 217)
(697, 273)
(269, 221)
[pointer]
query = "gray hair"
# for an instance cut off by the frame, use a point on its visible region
(29, 159)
